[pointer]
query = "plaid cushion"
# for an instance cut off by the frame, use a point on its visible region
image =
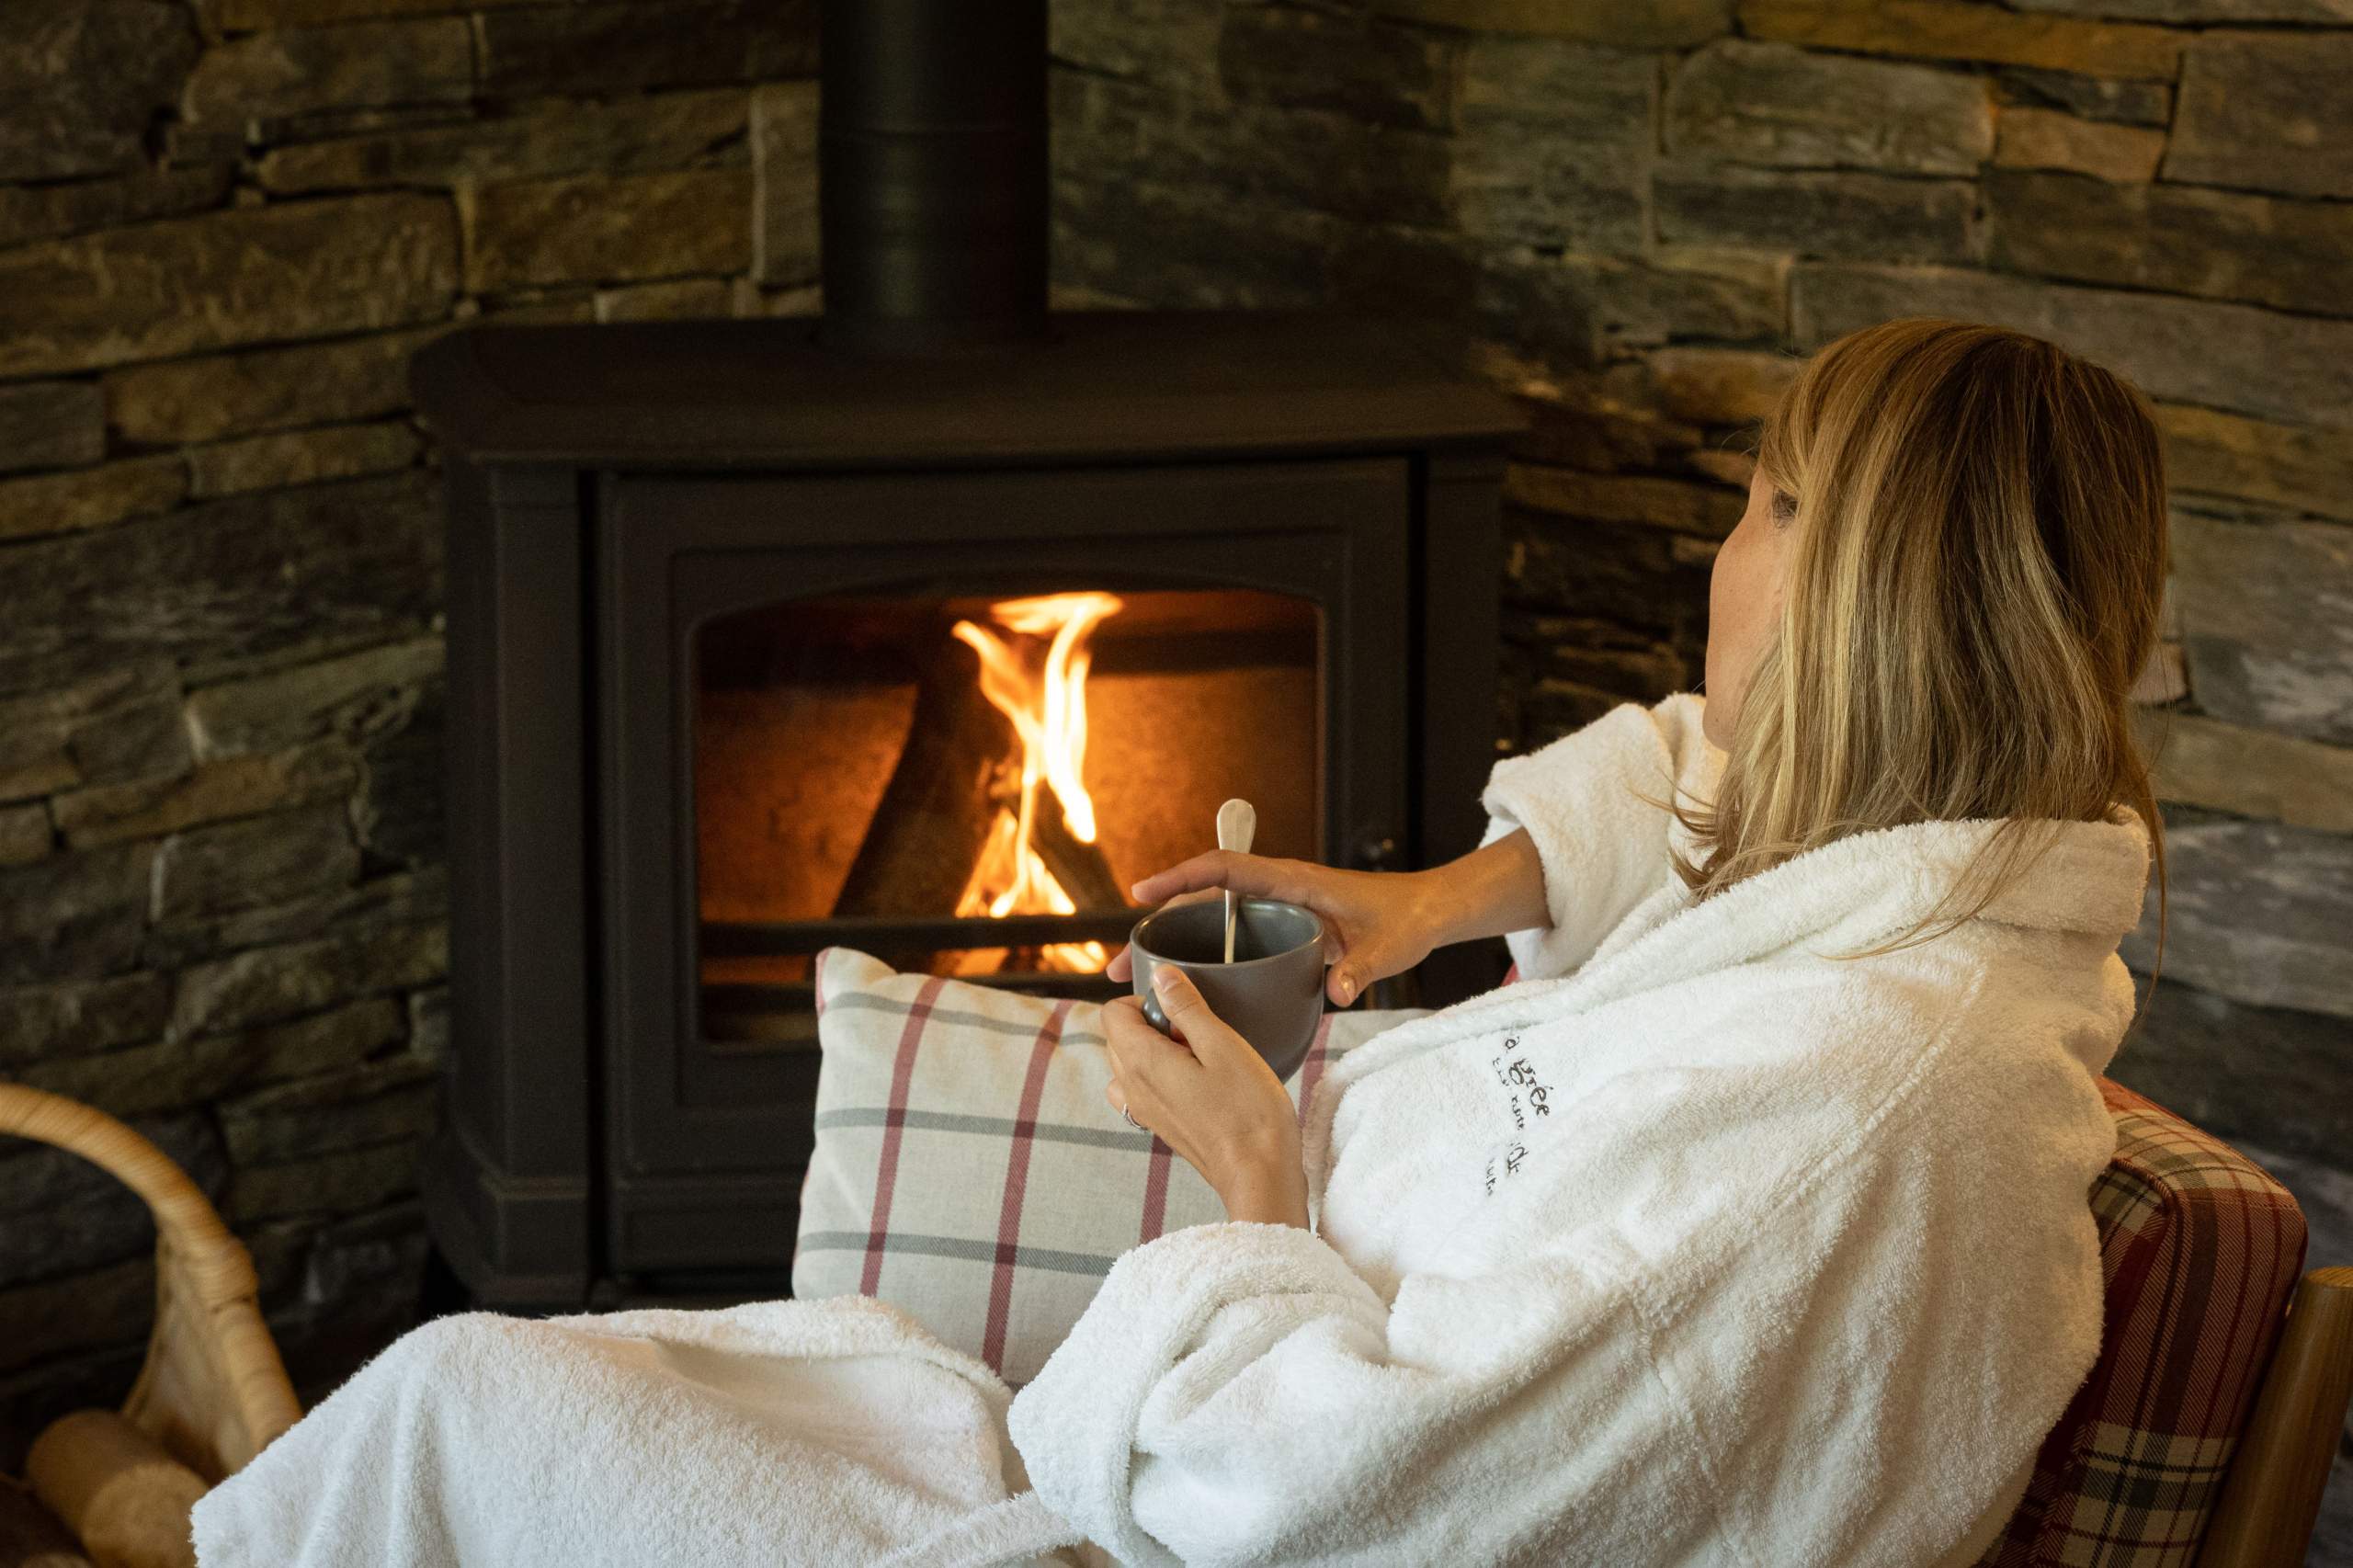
(968, 1167)
(2199, 1249)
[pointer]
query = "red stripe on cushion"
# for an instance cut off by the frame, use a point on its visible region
(1313, 1067)
(1156, 1190)
(894, 1121)
(1016, 1179)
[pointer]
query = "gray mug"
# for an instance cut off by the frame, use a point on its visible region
(1271, 994)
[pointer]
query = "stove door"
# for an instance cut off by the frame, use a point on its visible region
(809, 620)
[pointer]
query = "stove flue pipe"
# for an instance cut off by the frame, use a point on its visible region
(932, 195)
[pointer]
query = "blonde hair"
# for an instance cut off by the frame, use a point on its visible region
(1972, 589)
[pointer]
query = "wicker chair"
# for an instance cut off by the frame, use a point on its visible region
(214, 1390)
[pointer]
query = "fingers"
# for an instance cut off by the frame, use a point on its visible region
(1189, 1013)
(1221, 868)
(1122, 966)
(1138, 1052)
(1344, 983)
(1132, 1042)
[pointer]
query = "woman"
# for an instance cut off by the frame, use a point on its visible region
(1750, 1227)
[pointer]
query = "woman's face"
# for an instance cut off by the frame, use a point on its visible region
(1743, 602)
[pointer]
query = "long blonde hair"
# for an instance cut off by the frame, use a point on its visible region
(1972, 589)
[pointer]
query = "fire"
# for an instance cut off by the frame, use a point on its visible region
(1048, 710)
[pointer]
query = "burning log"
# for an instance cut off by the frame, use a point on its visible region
(1078, 865)
(938, 810)
(976, 818)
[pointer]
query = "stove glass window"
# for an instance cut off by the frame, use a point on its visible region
(968, 786)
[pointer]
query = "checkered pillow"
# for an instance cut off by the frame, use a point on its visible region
(2200, 1249)
(969, 1169)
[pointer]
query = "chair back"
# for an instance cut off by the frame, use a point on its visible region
(2200, 1249)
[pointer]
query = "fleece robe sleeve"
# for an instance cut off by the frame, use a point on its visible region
(1603, 848)
(1237, 1394)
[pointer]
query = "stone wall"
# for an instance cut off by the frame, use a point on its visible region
(223, 228)
(1634, 213)
(224, 225)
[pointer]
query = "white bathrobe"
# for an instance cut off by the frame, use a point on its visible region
(1696, 1248)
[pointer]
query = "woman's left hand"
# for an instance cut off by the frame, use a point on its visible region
(1211, 1097)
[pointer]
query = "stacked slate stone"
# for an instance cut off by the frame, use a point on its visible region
(223, 228)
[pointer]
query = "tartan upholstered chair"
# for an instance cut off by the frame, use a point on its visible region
(2203, 1438)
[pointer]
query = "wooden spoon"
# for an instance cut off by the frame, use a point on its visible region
(1237, 824)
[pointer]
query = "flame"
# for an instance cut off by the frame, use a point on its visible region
(1048, 710)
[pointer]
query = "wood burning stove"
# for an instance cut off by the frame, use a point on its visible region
(768, 636)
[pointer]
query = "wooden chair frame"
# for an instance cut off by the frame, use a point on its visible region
(2271, 1496)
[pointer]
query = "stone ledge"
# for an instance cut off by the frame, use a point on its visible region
(52, 424)
(1949, 30)
(231, 579)
(1779, 105)
(171, 1074)
(2215, 243)
(331, 1183)
(123, 723)
(80, 80)
(2258, 651)
(2257, 913)
(1620, 24)
(2047, 139)
(264, 389)
(375, 1102)
(226, 867)
(268, 984)
(585, 49)
(2239, 1071)
(2222, 454)
(79, 499)
(246, 275)
(300, 70)
(2147, 104)
(26, 833)
(1708, 510)
(404, 898)
(1366, 69)
(73, 915)
(1552, 144)
(2250, 772)
(301, 456)
(1882, 218)
(2266, 111)
(1721, 386)
(250, 15)
(2242, 358)
(81, 1017)
(58, 211)
(600, 230)
(543, 140)
(353, 696)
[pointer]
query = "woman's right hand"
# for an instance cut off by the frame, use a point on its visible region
(1376, 924)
